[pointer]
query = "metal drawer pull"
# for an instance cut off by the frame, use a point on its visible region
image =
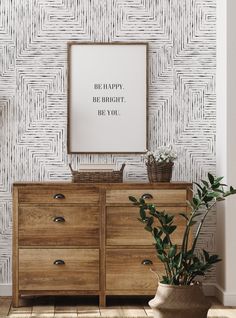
(147, 262)
(59, 219)
(147, 196)
(59, 262)
(59, 196)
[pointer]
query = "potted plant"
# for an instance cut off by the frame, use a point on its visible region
(160, 163)
(179, 294)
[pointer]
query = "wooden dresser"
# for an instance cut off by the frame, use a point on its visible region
(85, 239)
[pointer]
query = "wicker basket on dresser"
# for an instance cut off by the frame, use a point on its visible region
(84, 239)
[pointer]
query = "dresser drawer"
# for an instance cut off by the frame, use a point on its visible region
(37, 270)
(125, 270)
(123, 228)
(57, 225)
(58, 195)
(167, 196)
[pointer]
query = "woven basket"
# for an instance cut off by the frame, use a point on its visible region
(179, 302)
(160, 172)
(97, 176)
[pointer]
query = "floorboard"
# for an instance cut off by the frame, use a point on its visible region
(46, 307)
(5, 304)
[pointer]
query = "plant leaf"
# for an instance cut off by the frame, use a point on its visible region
(148, 228)
(199, 193)
(206, 255)
(205, 183)
(219, 179)
(215, 186)
(142, 213)
(213, 194)
(211, 178)
(165, 280)
(141, 201)
(150, 221)
(196, 201)
(166, 241)
(172, 251)
(198, 185)
(192, 223)
(171, 229)
(133, 199)
(161, 257)
(184, 216)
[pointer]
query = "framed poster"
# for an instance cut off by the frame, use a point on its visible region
(107, 97)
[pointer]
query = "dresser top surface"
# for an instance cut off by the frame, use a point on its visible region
(124, 185)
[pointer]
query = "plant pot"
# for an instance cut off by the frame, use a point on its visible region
(173, 301)
(160, 172)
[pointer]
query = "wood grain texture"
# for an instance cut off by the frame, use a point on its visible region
(38, 227)
(15, 250)
(47, 195)
(133, 311)
(168, 196)
(5, 303)
(38, 272)
(123, 228)
(43, 311)
(102, 297)
(119, 307)
(125, 271)
(64, 311)
(88, 311)
(22, 312)
(100, 240)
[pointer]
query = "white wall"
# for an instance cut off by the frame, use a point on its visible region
(226, 147)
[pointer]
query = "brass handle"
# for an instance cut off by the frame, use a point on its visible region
(59, 196)
(59, 262)
(59, 219)
(147, 262)
(147, 196)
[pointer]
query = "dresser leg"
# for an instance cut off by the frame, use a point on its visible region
(102, 301)
(15, 300)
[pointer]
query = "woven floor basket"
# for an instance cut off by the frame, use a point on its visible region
(97, 176)
(160, 172)
(179, 302)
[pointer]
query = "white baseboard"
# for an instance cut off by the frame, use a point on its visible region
(5, 290)
(227, 299)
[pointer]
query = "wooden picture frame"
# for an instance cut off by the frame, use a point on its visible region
(107, 97)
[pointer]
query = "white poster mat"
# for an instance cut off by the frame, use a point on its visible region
(107, 98)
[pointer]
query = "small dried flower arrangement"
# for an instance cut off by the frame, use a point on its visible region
(159, 164)
(162, 154)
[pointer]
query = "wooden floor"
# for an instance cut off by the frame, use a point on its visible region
(73, 308)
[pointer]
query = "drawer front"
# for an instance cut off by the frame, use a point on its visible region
(173, 197)
(58, 225)
(123, 228)
(37, 270)
(125, 270)
(58, 195)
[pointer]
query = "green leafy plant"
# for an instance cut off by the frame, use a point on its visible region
(183, 263)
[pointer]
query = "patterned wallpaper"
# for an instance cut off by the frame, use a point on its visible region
(33, 99)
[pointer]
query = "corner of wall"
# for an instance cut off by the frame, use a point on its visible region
(225, 298)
